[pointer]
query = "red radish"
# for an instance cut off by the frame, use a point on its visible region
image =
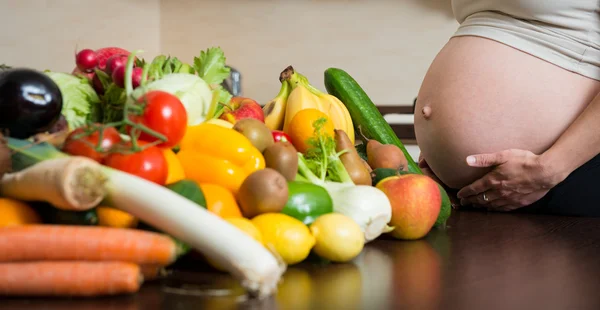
(136, 77)
(114, 62)
(97, 84)
(102, 56)
(86, 60)
(118, 76)
(104, 53)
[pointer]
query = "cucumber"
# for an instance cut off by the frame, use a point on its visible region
(366, 117)
(53, 215)
(368, 120)
(381, 173)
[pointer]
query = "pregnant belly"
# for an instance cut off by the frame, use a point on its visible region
(486, 97)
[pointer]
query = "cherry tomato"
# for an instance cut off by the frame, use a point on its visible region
(78, 143)
(279, 135)
(165, 114)
(149, 164)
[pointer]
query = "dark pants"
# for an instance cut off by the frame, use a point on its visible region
(577, 195)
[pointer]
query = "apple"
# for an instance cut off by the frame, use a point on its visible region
(241, 107)
(416, 202)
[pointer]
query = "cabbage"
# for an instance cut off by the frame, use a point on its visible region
(80, 101)
(193, 91)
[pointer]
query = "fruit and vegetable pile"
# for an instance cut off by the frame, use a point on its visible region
(112, 172)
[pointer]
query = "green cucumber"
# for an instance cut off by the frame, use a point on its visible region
(366, 117)
(381, 173)
(53, 215)
(369, 122)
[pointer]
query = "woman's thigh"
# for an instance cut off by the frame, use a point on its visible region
(577, 195)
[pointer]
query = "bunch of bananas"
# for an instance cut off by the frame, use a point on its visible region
(297, 94)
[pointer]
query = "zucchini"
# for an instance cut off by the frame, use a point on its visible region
(369, 122)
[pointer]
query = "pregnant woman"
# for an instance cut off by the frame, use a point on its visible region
(508, 114)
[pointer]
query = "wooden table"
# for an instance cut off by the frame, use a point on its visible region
(482, 261)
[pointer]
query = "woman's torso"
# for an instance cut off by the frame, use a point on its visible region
(486, 96)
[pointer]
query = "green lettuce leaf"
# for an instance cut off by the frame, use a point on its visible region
(80, 100)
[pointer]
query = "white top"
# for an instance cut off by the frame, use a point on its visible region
(565, 33)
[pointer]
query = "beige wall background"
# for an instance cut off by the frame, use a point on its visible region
(386, 45)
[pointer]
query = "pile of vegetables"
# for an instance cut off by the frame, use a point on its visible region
(160, 154)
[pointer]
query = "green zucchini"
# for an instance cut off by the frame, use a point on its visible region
(369, 122)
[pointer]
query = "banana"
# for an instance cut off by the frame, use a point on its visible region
(274, 110)
(305, 96)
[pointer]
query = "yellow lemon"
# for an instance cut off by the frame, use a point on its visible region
(244, 225)
(338, 238)
(15, 212)
(111, 217)
(289, 237)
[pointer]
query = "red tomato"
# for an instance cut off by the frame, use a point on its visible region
(78, 143)
(149, 164)
(279, 135)
(165, 114)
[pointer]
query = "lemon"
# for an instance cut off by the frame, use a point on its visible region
(289, 237)
(244, 225)
(338, 238)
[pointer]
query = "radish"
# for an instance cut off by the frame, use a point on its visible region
(97, 84)
(118, 76)
(136, 77)
(115, 61)
(102, 56)
(86, 60)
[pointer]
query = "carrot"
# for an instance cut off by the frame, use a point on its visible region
(68, 278)
(152, 272)
(90, 243)
(70, 183)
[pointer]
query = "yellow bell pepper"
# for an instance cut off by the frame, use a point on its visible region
(214, 154)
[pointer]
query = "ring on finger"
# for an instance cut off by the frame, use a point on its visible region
(485, 197)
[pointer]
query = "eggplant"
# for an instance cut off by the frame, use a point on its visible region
(30, 102)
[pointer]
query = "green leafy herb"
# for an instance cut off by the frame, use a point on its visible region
(211, 66)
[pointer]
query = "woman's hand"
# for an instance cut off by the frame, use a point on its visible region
(518, 179)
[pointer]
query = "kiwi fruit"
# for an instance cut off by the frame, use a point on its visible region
(263, 191)
(256, 131)
(283, 157)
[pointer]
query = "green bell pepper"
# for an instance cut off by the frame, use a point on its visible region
(307, 201)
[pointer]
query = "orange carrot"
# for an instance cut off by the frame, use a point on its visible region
(53, 278)
(89, 243)
(152, 272)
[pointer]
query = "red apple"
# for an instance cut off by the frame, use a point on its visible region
(241, 107)
(416, 202)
